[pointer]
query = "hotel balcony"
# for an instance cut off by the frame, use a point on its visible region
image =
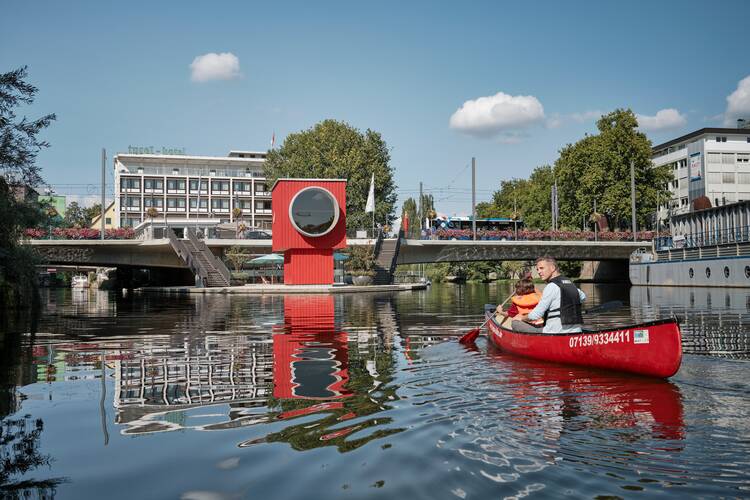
(263, 193)
(153, 191)
(175, 191)
(263, 211)
(215, 192)
(175, 209)
(203, 191)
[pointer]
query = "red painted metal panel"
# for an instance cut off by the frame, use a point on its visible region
(285, 236)
(308, 267)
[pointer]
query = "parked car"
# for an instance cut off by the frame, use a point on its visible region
(257, 235)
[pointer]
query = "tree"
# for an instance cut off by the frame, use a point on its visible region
(598, 168)
(409, 211)
(528, 199)
(19, 147)
(91, 212)
(238, 256)
(336, 150)
(75, 216)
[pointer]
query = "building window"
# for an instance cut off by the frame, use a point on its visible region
(175, 171)
(743, 157)
(727, 177)
(727, 158)
(108, 220)
(721, 138)
(212, 173)
(713, 177)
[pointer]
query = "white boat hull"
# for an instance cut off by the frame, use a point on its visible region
(715, 272)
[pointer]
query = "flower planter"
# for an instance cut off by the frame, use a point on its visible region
(362, 280)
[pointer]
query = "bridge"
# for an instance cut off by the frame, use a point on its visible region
(159, 253)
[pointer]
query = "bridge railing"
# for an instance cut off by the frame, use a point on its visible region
(533, 235)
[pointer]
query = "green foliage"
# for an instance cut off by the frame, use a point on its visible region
(335, 150)
(598, 167)
(18, 149)
(238, 257)
(19, 145)
(90, 212)
(75, 216)
(361, 261)
(595, 168)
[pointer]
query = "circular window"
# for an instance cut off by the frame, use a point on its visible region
(314, 211)
(691, 273)
(708, 272)
(726, 272)
(747, 272)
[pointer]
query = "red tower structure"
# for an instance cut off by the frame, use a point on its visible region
(309, 223)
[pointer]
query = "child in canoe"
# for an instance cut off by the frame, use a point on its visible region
(522, 302)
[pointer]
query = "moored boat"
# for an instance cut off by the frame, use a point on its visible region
(79, 281)
(653, 348)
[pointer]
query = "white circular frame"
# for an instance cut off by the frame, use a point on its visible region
(336, 210)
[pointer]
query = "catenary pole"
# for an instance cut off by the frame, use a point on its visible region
(632, 197)
(474, 197)
(104, 206)
(420, 208)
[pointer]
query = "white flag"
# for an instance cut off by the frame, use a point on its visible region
(370, 207)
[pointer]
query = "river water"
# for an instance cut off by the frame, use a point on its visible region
(361, 396)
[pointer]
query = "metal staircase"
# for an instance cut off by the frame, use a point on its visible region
(386, 256)
(199, 258)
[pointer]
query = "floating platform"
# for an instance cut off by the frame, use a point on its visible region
(282, 289)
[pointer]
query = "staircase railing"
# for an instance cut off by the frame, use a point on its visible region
(193, 264)
(378, 245)
(203, 248)
(394, 261)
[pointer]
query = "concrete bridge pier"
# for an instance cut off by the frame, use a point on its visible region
(605, 271)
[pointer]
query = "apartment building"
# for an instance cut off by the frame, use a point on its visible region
(714, 162)
(192, 187)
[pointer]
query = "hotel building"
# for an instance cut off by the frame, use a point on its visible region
(192, 187)
(712, 162)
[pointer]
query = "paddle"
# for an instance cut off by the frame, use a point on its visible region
(470, 336)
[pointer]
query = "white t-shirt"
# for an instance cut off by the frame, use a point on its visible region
(551, 300)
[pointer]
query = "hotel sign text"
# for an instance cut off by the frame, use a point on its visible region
(150, 150)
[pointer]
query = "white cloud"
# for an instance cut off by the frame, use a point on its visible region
(665, 119)
(738, 103)
(498, 115)
(212, 66)
(586, 116)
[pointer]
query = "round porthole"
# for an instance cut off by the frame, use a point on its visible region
(314, 211)
(726, 271)
(691, 273)
(747, 272)
(708, 272)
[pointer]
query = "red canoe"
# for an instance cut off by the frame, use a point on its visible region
(653, 348)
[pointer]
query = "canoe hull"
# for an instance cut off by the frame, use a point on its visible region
(653, 349)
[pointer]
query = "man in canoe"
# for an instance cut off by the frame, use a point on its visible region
(560, 305)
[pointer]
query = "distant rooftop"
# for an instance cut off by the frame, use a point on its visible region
(745, 130)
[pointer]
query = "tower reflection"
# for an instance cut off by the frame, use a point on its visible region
(310, 358)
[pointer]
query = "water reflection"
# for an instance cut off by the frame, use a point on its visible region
(713, 320)
(375, 385)
(554, 399)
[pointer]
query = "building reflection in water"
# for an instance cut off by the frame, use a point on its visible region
(164, 382)
(713, 320)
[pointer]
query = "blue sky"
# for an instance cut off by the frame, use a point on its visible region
(119, 74)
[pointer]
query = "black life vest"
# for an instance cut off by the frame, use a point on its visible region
(570, 303)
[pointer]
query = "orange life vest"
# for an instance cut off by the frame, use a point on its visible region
(526, 303)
